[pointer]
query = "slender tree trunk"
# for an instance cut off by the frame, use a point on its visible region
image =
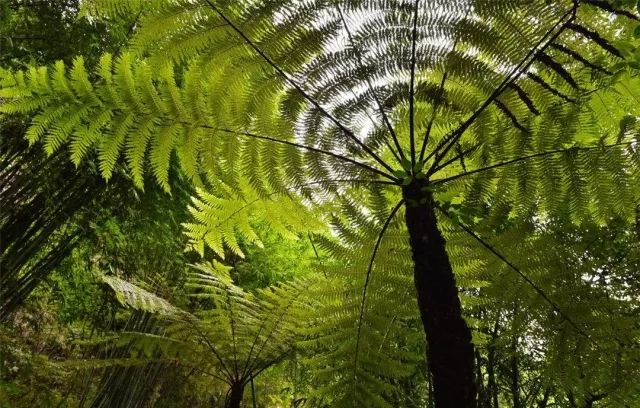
(234, 398)
(514, 383)
(515, 373)
(450, 351)
(545, 398)
(253, 393)
(484, 400)
(491, 366)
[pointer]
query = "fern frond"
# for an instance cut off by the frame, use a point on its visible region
(137, 298)
(219, 220)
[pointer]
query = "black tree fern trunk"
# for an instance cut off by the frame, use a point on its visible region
(234, 398)
(450, 350)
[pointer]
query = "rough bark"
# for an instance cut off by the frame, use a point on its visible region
(450, 351)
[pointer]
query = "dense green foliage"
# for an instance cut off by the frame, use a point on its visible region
(298, 129)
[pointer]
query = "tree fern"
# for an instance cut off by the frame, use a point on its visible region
(437, 99)
(241, 334)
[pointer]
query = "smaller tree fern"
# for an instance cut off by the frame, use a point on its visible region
(240, 334)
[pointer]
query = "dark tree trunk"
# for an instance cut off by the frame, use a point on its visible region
(450, 351)
(545, 398)
(234, 398)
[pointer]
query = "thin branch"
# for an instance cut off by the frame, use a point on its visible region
(299, 146)
(449, 141)
(385, 118)
(366, 282)
(269, 364)
(248, 366)
(205, 372)
(523, 158)
(293, 83)
(517, 270)
(132, 26)
(21, 37)
(355, 181)
(411, 86)
(373, 122)
(253, 394)
(315, 251)
(459, 156)
(210, 346)
(386, 334)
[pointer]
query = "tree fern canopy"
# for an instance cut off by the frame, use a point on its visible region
(485, 88)
(243, 334)
(470, 147)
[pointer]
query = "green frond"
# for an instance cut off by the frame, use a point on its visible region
(85, 138)
(219, 222)
(136, 148)
(137, 298)
(112, 142)
(160, 154)
(80, 81)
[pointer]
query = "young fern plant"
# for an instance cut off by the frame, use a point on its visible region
(416, 109)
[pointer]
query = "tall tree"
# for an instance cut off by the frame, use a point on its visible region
(437, 109)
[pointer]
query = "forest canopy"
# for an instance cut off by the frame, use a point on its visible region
(320, 203)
